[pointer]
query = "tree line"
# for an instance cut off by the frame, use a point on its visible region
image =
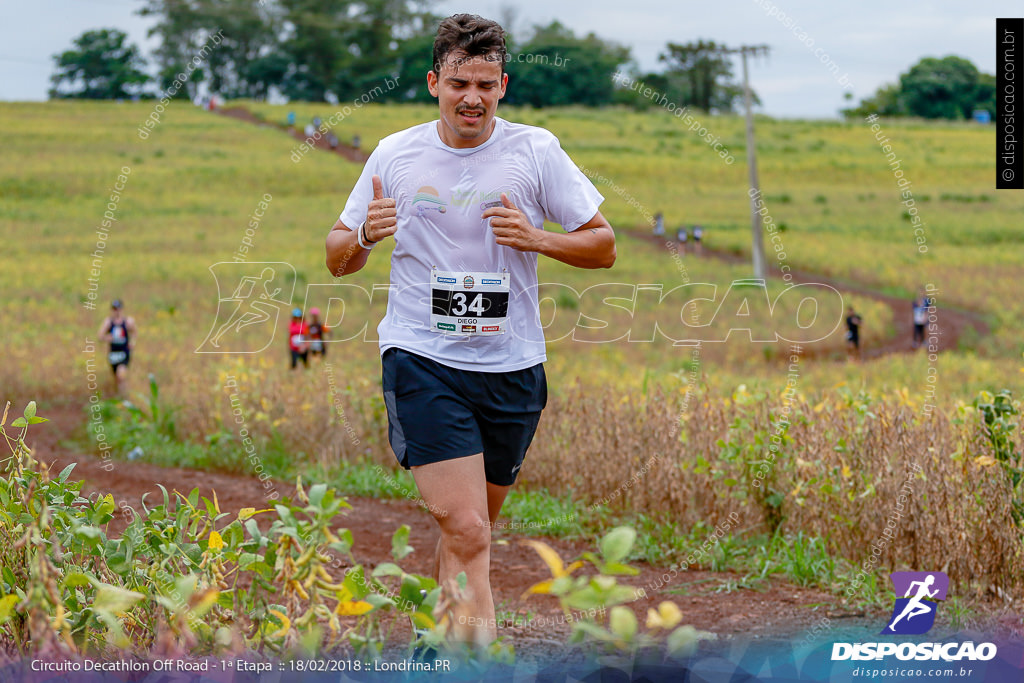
(336, 50)
(947, 88)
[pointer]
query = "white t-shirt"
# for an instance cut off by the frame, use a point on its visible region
(440, 193)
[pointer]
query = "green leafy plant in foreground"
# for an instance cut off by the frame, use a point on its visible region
(187, 579)
(619, 635)
(999, 415)
(183, 578)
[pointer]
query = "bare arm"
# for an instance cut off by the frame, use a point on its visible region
(344, 255)
(105, 330)
(592, 245)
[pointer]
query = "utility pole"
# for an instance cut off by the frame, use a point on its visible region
(756, 223)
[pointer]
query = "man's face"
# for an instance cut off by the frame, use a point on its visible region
(467, 92)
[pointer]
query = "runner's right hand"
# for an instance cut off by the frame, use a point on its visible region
(381, 215)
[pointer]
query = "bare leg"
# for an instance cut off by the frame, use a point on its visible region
(456, 490)
(120, 380)
(495, 499)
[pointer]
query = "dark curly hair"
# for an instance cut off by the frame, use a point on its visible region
(472, 35)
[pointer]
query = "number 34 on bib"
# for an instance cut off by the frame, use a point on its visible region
(468, 304)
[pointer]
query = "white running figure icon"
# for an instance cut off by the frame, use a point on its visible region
(251, 307)
(915, 606)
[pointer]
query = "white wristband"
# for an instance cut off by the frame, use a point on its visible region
(359, 237)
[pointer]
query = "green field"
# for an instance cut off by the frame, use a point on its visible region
(197, 179)
(194, 183)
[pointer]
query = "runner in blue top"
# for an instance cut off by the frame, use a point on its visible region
(920, 311)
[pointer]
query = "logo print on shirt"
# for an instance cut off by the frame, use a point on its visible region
(428, 199)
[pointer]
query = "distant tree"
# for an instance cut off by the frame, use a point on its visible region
(241, 64)
(178, 26)
(265, 72)
(947, 88)
(885, 102)
(629, 89)
(101, 67)
(699, 75)
(244, 63)
(380, 42)
(555, 67)
(414, 56)
(986, 98)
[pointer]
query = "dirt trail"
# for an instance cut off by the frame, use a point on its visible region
(780, 609)
(952, 322)
(709, 600)
(347, 151)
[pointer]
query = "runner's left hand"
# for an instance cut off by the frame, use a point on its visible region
(511, 228)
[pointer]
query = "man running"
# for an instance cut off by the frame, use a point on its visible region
(853, 323)
(682, 236)
(120, 332)
(461, 342)
(298, 339)
(317, 334)
(920, 311)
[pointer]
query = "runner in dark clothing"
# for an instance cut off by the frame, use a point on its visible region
(317, 334)
(853, 322)
(119, 331)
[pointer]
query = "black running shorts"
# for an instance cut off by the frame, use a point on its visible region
(438, 413)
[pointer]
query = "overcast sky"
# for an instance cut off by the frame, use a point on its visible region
(871, 42)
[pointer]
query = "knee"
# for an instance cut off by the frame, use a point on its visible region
(467, 535)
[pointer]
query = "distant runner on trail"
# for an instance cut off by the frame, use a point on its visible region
(317, 334)
(681, 237)
(120, 332)
(298, 339)
(853, 322)
(461, 343)
(920, 310)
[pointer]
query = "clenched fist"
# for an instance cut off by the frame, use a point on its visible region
(511, 228)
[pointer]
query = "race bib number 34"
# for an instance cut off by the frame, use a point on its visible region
(468, 303)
